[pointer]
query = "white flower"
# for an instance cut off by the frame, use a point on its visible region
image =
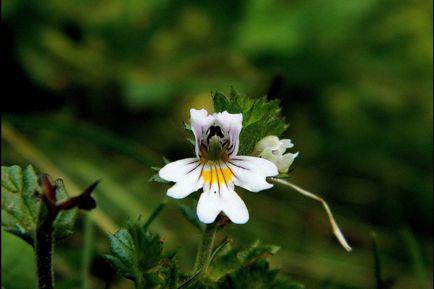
(217, 168)
(273, 149)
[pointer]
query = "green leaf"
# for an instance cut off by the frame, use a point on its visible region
(154, 215)
(156, 178)
(249, 268)
(138, 255)
(21, 204)
(261, 117)
(20, 201)
(231, 259)
(65, 220)
(256, 251)
(220, 101)
(123, 258)
(257, 275)
(191, 216)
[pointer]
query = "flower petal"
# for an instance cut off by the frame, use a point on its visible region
(267, 143)
(225, 200)
(208, 207)
(200, 121)
(251, 172)
(286, 144)
(186, 174)
(285, 162)
(232, 124)
(233, 206)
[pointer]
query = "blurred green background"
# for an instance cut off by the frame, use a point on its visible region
(100, 89)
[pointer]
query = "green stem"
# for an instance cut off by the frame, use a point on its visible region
(205, 249)
(87, 251)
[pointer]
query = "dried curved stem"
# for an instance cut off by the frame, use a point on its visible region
(336, 231)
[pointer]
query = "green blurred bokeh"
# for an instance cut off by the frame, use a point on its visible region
(100, 89)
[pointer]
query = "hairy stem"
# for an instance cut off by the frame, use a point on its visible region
(205, 249)
(44, 250)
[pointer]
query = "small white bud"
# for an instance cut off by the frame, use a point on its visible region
(273, 149)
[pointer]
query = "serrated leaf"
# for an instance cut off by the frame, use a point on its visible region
(257, 275)
(256, 251)
(120, 267)
(220, 101)
(235, 258)
(123, 259)
(261, 117)
(191, 216)
(137, 255)
(20, 202)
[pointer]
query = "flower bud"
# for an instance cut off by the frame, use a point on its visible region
(273, 149)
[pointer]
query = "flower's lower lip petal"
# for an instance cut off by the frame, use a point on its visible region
(234, 207)
(208, 207)
(186, 174)
(251, 172)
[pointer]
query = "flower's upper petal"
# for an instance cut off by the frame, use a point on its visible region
(270, 155)
(186, 175)
(232, 124)
(200, 121)
(267, 143)
(251, 172)
(286, 144)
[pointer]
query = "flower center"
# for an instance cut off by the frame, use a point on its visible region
(214, 144)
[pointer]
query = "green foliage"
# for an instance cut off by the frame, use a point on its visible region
(261, 117)
(231, 259)
(257, 275)
(137, 254)
(21, 204)
(64, 223)
(191, 216)
(156, 178)
(239, 268)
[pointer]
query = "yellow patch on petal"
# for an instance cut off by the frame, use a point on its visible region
(214, 174)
